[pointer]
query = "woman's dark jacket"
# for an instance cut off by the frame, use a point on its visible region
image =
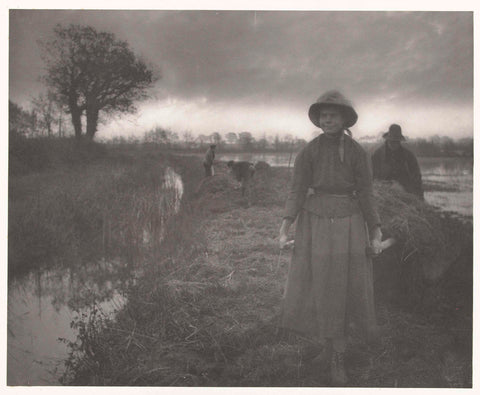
(332, 166)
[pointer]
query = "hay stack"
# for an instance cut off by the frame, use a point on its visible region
(217, 194)
(262, 166)
(222, 192)
(424, 240)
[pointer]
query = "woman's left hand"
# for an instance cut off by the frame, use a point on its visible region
(376, 242)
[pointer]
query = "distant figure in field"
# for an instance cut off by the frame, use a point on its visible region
(208, 161)
(394, 162)
(262, 166)
(243, 172)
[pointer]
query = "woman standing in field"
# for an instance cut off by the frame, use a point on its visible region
(330, 276)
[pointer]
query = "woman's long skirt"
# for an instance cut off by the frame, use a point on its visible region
(330, 279)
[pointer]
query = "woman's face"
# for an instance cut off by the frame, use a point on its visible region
(331, 120)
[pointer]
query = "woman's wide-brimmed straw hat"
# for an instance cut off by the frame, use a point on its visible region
(394, 133)
(334, 98)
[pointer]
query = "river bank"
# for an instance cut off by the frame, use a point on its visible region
(79, 230)
(204, 311)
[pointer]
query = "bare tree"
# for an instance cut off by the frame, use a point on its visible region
(231, 137)
(44, 105)
(19, 121)
(216, 138)
(160, 135)
(203, 139)
(246, 140)
(188, 138)
(262, 144)
(92, 71)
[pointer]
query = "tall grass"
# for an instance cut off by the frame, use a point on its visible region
(80, 209)
(204, 313)
(39, 154)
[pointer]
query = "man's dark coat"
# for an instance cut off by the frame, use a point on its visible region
(400, 166)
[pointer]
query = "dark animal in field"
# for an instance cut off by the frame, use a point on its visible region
(262, 166)
(243, 172)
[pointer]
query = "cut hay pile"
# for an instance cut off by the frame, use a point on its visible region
(222, 192)
(217, 194)
(428, 241)
(262, 166)
(416, 226)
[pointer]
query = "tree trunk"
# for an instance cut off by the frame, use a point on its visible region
(77, 122)
(60, 124)
(76, 115)
(92, 120)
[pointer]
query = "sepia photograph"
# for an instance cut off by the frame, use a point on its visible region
(261, 197)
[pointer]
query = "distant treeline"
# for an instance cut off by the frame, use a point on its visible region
(245, 142)
(434, 146)
(40, 123)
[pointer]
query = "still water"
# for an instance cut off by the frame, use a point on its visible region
(448, 182)
(42, 305)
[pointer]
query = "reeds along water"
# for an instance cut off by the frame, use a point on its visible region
(41, 307)
(79, 234)
(168, 200)
(72, 215)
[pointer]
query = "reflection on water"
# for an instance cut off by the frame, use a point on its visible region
(459, 202)
(448, 181)
(430, 166)
(173, 183)
(280, 159)
(446, 166)
(42, 305)
(170, 199)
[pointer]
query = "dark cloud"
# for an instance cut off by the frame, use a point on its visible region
(276, 57)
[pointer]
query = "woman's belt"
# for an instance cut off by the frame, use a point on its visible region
(318, 191)
(331, 205)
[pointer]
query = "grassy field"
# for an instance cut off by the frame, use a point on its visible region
(205, 311)
(70, 204)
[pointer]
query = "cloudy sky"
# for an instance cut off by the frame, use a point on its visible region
(259, 71)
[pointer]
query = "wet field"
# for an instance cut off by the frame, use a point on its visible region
(43, 304)
(448, 182)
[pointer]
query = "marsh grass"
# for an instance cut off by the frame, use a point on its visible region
(39, 154)
(204, 309)
(83, 210)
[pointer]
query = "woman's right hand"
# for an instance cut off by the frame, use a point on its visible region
(282, 240)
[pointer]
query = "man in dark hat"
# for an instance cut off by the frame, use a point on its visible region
(208, 161)
(394, 162)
